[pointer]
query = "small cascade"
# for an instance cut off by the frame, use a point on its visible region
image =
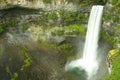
(89, 60)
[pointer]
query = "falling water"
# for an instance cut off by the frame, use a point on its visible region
(89, 60)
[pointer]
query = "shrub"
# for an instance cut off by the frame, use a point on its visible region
(75, 29)
(52, 16)
(24, 27)
(58, 32)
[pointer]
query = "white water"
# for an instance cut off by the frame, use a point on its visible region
(89, 60)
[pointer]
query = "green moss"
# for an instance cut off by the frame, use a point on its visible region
(75, 29)
(114, 38)
(11, 23)
(1, 29)
(88, 2)
(15, 76)
(74, 17)
(65, 48)
(25, 27)
(58, 32)
(65, 18)
(61, 12)
(47, 1)
(52, 16)
(70, 30)
(115, 68)
(117, 30)
(27, 61)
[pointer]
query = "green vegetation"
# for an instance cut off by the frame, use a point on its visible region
(52, 16)
(66, 48)
(100, 2)
(65, 18)
(27, 60)
(114, 37)
(1, 29)
(115, 68)
(69, 17)
(12, 23)
(75, 30)
(58, 32)
(27, 63)
(70, 23)
(70, 30)
(14, 75)
(25, 27)
(47, 1)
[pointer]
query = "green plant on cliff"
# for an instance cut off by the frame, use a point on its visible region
(75, 29)
(52, 16)
(70, 30)
(115, 68)
(25, 27)
(27, 61)
(1, 29)
(65, 48)
(76, 17)
(14, 75)
(114, 38)
(100, 2)
(58, 32)
(47, 1)
(12, 23)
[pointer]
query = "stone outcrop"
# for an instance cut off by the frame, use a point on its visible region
(52, 5)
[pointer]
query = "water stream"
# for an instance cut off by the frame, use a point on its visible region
(89, 61)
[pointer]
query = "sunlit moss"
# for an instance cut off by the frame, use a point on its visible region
(70, 30)
(115, 68)
(27, 60)
(75, 29)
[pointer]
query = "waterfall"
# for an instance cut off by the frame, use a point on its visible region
(89, 60)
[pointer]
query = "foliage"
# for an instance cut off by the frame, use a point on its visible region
(52, 16)
(25, 27)
(47, 1)
(13, 76)
(117, 30)
(65, 18)
(65, 48)
(115, 68)
(70, 30)
(58, 32)
(8, 70)
(11, 23)
(1, 29)
(74, 17)
(115, 2)
(114, 38)
(27, 60)
(100, 2)
(75, 29)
